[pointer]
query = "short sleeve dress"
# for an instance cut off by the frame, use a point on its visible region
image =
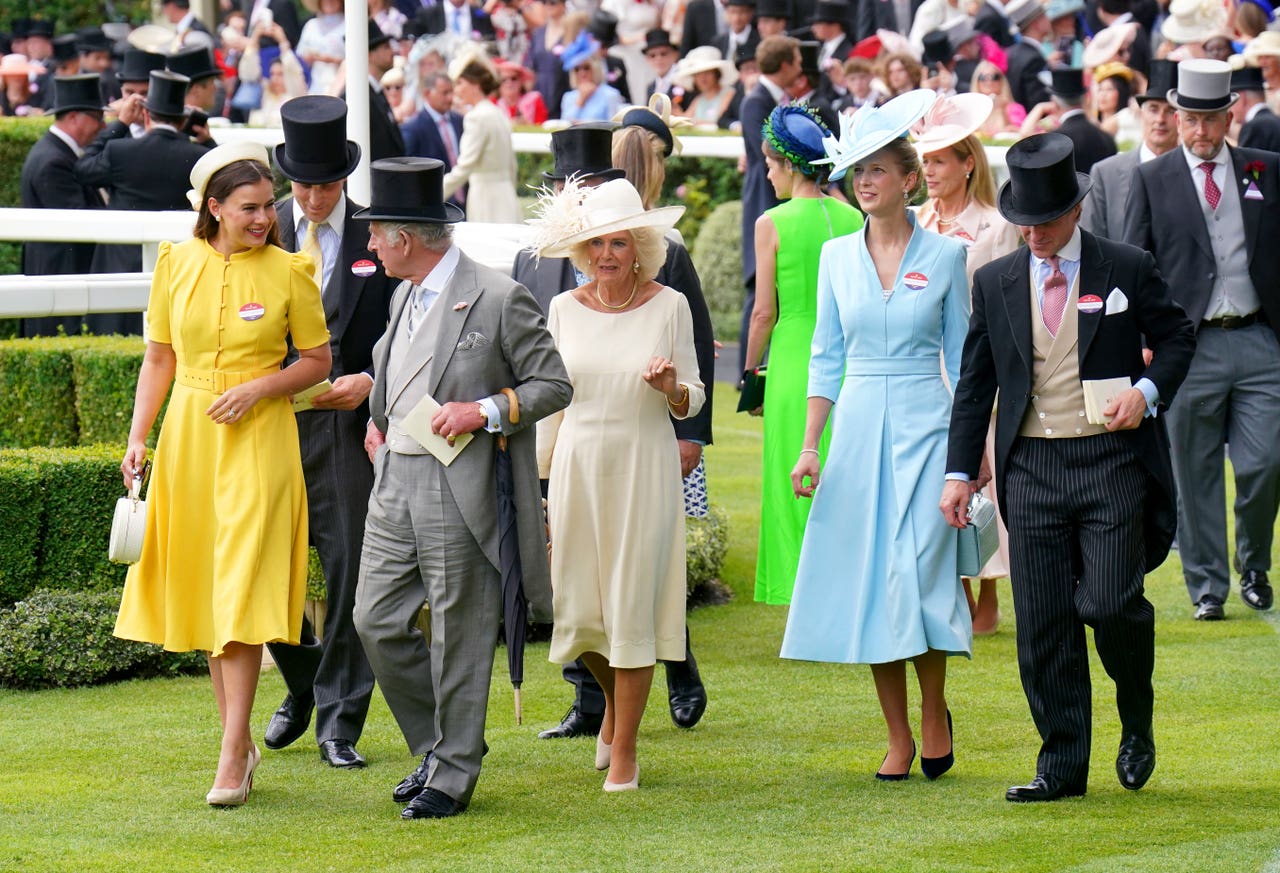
(615, 504)
(224, 557)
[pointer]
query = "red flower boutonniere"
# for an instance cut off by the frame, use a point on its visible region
(1255, 168)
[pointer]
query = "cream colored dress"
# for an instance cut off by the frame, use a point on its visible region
(487, 164)
(616, 505)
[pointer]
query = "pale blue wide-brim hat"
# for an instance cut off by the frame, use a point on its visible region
(872, 128)
(1060, 8)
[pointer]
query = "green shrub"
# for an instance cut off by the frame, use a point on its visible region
(316, 589)
(706, 543)
(37, 382)
(717, 256)
(63, 639)
(20, 517)
(106, 374)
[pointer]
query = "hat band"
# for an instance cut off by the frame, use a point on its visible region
(316, 168)
(1202, 103)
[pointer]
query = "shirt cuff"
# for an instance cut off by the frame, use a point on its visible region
(1149, 391)
(495, 417)
(958, 477)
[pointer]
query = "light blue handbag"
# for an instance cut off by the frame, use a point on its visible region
(980, 539)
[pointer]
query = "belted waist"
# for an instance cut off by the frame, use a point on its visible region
(218, 381)
(1236, 322)
(903, 365)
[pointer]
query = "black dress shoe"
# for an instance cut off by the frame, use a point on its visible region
(341, 753)
(1136, 760)
(932, 768)
(411, 786)
(289, 722)
(431, 803)
(897, 777)
(574, 724)
(1210, 609)
(686, 694)
(1044, 788)
(1255, 590)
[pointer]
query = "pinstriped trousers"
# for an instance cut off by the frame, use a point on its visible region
(1077, 559)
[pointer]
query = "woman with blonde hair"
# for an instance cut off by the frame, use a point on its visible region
(486, 157)
(591, 98)
(962, 205)
(1006, 114)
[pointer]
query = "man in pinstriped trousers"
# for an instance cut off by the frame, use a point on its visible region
(1089, 507)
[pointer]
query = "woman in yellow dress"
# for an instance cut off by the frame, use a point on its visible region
(224, 561)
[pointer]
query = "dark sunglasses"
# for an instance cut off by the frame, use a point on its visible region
(991, 77)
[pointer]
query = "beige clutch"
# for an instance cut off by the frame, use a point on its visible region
(128, 525)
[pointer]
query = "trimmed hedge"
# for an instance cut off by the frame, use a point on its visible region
(706, 543)
(62, 639)
(717, 256)
(20, 518)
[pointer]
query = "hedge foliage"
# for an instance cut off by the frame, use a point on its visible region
(706, 543)
(55, 519)
(63, 639)
(717, 256)
(66, 391)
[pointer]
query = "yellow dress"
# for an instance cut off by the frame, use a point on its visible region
(225, 553)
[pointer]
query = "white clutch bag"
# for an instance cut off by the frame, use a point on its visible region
(128, 524)
(980, 539)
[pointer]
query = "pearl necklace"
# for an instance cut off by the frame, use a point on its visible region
(635, 286)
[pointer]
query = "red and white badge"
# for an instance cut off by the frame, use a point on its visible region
(252, 311)
(1090, 303)
(916, 281)
(364, 269)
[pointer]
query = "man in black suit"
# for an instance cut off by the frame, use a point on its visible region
(1091, 142)
(458, 17)
(703, 20)
(1210, 214)
(895, 15)
(332, 675)
(812, 87)
(829, 30)
(385, 140)
(1259, 126)
(991, 20)
(204, 77)
(779, 60)
(738, 30)
(661, 55)
(49, 182)
(1026, 61)
(135, 78)
(147, 173)
(1089, 506)
(585, 151)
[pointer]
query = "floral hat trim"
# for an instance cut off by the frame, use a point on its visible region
(796, 132)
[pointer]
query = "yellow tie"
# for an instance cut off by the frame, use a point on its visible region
(311, 246)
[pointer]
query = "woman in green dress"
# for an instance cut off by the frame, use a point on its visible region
(788, 241)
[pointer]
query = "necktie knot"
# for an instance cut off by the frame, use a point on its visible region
(1055, 296)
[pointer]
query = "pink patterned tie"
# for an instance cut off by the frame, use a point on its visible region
(1211, 191)
(1055, 297)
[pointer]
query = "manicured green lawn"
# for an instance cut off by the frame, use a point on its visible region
(776, 777)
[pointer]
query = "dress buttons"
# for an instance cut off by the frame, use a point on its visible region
(1078, 430)
(1048, 431)
(1081, 413)
(1042, 415)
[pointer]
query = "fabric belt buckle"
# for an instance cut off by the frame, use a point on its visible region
(218, 380)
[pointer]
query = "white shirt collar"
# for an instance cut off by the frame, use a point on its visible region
(185, 23)
(1068, 114)
(1145, 154)
(773, 88)
(1069, 252)
(375, 84)
(66, 137)
(438, 279)
(1253, 111)
(333, 219)
(1218, 160)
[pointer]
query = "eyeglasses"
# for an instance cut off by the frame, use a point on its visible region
(990, 77)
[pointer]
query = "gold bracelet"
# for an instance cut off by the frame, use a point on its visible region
(683, 397)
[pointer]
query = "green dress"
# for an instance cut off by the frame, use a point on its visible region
(804, 225)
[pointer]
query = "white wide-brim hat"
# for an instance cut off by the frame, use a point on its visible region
(1193, 21)
(704, 59)
(872, 128)
(217, 158)
(578, 214)
(151, 38)
(1204, 85)
(1106, 43)
(950, 120)
(1265, 44)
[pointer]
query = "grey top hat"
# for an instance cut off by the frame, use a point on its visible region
(1023, 12)
(1204, 85)
(315, 150)
(409, 190)
(1043, 182)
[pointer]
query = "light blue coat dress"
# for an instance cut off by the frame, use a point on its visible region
(877, 579)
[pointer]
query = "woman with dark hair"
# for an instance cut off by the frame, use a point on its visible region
(877, 581)
(1112, 88)
(486, 158)
(224, 558)
(789, 238)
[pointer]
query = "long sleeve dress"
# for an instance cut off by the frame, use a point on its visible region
(615, 503)
(224, 555)
(487, 164)
(877, 580)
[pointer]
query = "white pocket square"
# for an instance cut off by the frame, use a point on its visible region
(1116, 302)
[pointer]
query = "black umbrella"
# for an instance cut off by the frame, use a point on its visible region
(515, 608)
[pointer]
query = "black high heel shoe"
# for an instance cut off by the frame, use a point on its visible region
(898, 777)
(932, 768)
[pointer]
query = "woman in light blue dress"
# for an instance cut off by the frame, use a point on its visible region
(877, 581)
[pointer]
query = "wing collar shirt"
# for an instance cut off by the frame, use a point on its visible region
(66, 137)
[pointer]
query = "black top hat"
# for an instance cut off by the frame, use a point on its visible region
(1162, 77)
(409, 189)
(195, 64)
(316, 150)
(773, 9)
(604, 27)
(583, 150)
(642, 116)
(1066, 81)
(64, 49)
(92, 39)
(376, 36)
(138, 65)
(937, 47)
(71, 93)
(20, 27)
(836, 11)
(751, 3)
(1043, 182)
(167, 93)
(1247, 79)
(809, 53)
(40, 27)
(657, 38)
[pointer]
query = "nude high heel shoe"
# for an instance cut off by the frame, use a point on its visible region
(604, 752)
(236, 796)
(612, 787)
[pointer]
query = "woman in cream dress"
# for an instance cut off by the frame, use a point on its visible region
(486, 158)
